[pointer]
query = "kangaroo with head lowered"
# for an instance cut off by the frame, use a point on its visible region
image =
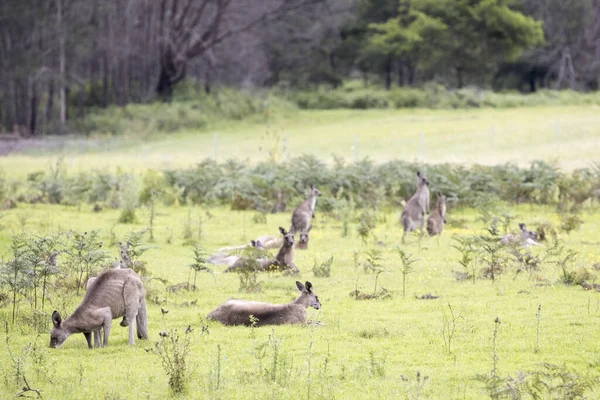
(437, 219)
(413, 215)
(238, 312)
(305, 211)
(115, 293)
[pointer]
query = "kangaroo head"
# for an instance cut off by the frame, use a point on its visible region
(526, 233)
(257, 243)
(421, 180)
(125, 261)
(304, 235)
(314, 191)
(306, 290)
(288, 237)
(58, 334)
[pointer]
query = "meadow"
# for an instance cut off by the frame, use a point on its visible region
(427, 333)
(566, 135)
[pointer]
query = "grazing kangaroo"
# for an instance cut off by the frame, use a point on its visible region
(238, 312)
(413, 214)
(437, 219)
(305, 211)
(527, 238)
(115, 293)
(304, 238)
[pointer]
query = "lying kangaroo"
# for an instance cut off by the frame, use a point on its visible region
(413, 214)
(284, 260)
(437, 219)
(238, 312)
(225, 257)
(304, 238)
(270, 242)
(115, 293)
(305, 211)
(527, 238)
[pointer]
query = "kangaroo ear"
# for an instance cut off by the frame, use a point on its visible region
(283, 232)
(253, 243)
(259, 243)
(312, 186)
(308, 286)
(56, 319)
(300, 286)
(522, 226)
(419, 174)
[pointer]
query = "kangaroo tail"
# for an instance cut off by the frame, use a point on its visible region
(142, 321)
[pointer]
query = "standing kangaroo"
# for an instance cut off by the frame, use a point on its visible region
(437, 219)
(239, 312)
(413, 214)
(115, 293)
(304, 212)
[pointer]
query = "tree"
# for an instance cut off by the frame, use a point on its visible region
(190, 29)
(478, 34)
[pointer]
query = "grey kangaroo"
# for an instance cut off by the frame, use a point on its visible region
(305, 212)
(527, 238)
(413, 215)
(284, 260)
(304, 238)
(238, 312)
(115, 293)
(437, 219)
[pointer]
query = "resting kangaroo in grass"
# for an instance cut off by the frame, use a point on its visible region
(115, 293)
(437, 219)
(304, 212)
(527, 238)
(238, 312)
(414, 211)
(284, 260)
(225, 257)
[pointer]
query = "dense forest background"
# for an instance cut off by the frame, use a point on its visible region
(59, 59)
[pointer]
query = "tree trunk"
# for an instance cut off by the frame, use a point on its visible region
(50, 102)
(459, 77)
(401, 75)
(531, 78)
(61, 64)
(164, 88)
(170, 74)
(33, 109)
(105, 80)
(388, 74)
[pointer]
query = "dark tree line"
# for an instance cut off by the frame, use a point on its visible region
(61, 58)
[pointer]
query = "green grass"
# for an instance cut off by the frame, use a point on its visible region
(568, 135)
(364, 349)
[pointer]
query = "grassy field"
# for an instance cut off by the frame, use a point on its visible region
(361, 349)
(568, 135)
(398, 347)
